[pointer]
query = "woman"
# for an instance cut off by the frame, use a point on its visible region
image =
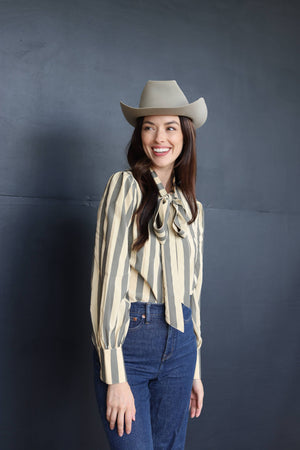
(147, 278)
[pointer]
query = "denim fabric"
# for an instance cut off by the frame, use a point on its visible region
(160, 362)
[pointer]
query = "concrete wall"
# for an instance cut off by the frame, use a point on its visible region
(64, 67)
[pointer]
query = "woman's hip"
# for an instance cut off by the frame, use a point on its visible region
(151, 342)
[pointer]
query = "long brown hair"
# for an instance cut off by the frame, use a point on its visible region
(185, 175)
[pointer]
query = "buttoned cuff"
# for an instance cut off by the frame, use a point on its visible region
(112, 367)
(197, 373)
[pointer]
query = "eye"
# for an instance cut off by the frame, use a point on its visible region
(171, 129)
(147, 128)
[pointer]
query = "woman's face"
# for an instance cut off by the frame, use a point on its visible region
(162, 140)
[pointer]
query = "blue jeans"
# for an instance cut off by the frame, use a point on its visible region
(160, 363)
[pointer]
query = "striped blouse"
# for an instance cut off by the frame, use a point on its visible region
(167, 269)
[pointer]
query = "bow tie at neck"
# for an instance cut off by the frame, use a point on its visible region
(167, 202)
(170, 222)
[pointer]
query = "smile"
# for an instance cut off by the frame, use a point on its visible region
(161, 150)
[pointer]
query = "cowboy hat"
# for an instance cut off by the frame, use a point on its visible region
(166, 98)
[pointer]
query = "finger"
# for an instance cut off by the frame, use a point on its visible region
(112, 419)
(120, 422)
(108, 413)
(198, 411)
(193, 409)
(199, 407)
(128, 422)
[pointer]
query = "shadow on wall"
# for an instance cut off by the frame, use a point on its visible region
(50, 245)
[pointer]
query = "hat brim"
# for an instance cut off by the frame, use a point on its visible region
(196, 111)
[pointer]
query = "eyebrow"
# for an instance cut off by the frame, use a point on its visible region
(167, 123)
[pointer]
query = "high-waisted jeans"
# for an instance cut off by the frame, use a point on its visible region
(160, 363)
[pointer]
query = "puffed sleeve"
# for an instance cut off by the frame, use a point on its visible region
(110, 275)
(196, 295)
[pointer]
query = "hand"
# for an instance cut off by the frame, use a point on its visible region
(119, 406)
(196, 401)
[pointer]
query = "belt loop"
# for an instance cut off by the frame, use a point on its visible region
(148, 312)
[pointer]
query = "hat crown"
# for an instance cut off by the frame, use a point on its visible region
(162, 94)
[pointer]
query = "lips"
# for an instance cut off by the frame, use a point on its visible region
(160, 151)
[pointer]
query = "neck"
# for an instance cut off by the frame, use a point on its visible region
(165, 176)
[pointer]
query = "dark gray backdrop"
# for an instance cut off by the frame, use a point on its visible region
(64, 67)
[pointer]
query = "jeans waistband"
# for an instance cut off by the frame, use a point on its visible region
(149, 310)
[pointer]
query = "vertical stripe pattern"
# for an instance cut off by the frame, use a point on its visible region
(167, 269)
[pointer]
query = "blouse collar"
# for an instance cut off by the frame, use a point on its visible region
(161, 189)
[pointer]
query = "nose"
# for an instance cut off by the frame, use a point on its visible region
(160, 135)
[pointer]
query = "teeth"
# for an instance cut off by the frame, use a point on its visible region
(161, 150)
